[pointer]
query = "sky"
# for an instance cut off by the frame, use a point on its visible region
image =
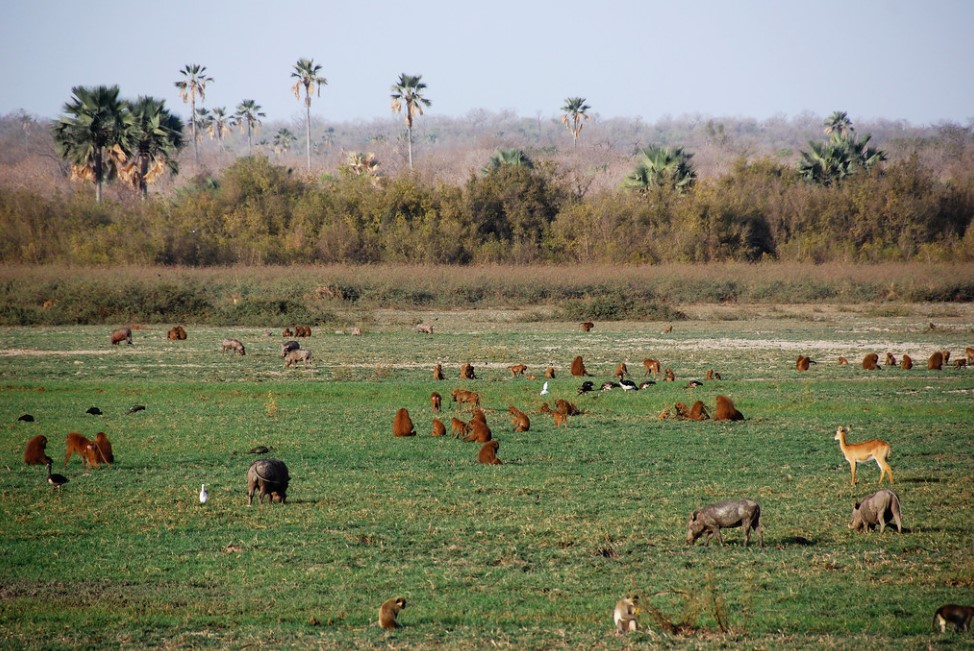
(907, 60)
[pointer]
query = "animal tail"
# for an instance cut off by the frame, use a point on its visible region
(938, 622)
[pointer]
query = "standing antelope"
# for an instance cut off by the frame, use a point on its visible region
(873, 449)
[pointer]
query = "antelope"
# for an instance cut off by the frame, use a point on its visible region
(856, 453)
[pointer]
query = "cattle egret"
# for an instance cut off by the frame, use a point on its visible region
(203, 495)
(544, 389)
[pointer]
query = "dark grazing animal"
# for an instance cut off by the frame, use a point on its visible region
(723, 515)
(234, 345)
(270, 477)
(958, 616)
(120, 335)
(877, 509)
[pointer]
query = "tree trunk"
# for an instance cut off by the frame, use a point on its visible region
(196, 144)
(307, 106)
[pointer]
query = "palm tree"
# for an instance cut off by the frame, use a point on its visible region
(662, 166)
(156, 136)
(838, 158)
(204, 122)
(306, 72)
(838, 124)
(409, 91)
(574, 115)
(512, 157)
(283, 140)
(220, 123)
(93, 135)
(249, 113)
(193, 83)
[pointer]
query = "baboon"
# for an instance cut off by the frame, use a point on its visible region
(545, 408)
(586, 326)
(402, 424)
(478, 432)
(667, 330)
(726, 410)
(946, 356)
(668, 376)
(458, 428)
(34, 453)
(712, 375)
(287, 333)
(969, 354)
(176, 333)
(625, 613)
(906, 362)
(436, 400)
(935, 362)
(424, 328)
(438, 372)
(478, 414)
(466, 372)
(843, 361)
(890, 360)
(578, 368)
(561, 419)
(461, 396)
(566, 407)
(438, 428)
(120, 335)
(652, 366)
(519, 419)
(549, 373)
(389, 612)
(802, 363)
(103, 448)
(960, 362)
(517, 369)
(871, 362)
(76, 442)
(621, 371)
(488, 453)
(698, 411)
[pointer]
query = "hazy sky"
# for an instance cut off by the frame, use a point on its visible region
(898, 59)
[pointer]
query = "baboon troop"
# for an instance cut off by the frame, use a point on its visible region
(302, 331)
(402, 424)
(488, 453)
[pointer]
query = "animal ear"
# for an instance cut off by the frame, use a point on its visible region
(694, 515)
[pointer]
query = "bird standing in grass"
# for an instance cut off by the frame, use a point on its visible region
(544, 389)
(55, 480)
(204, 495)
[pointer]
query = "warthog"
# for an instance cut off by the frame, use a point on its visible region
(724, 515)
(120, 335)
(271, 477)
(288, 347)
(234, 345)
(424, 328)
(295, 356)
(877, 509)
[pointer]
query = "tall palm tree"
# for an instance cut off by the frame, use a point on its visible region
(249, 113)
(220, 123)
(661, 167)
(833, 161)
(574, 116)
(204, 122)
(155, 138)
(193, 84)
(306, 71)
(93, 135)
(838, 124)
(408, 90)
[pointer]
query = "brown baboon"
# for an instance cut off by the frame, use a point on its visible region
(698, 411)
(802, 363)
(402, 424)
(76, 442)
(545, 408)
(458, 428)
(120, 335)
(176, 333)
(519, 419)
(890, 360)
(488, 453)
(34, 454)
(566, 407)
(436, 400)
(438, 372)
(287, 333)
(621, 371)
(726, 410)
(843, 361)
(586, 326)
(517, 369)
(466, 372)
(103, 448)
(478, 432)
(549, 373)
(578, 367)
(871, 362)
(906, 362)
(561, 420)
(389, 612)
(668, 376)
(969, 353)
(667, 330)
(438, 428)
(935, 362)
(946, 356)
(461, 396)
(652, 366)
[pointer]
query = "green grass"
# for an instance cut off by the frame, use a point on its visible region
(530, 554)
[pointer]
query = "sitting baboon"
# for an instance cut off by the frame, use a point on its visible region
(890, 360)
(402, 424)
(969, 354)
(566, 407)
(478, 432)
(712, 375)
(578, 368)
(549, 373)
(946, 356)
(287, 333)
(621, 371)
(488, 453)
(436, 400)
(802, 363)
(478, 415)
(438, 372)
(545, 408)
(668, 376)
(586, 326)
(726, 410)
(652, 366)
(466, 372)
(843, 361)
(34, 454)
(698, 411)
(871, 362)
(906, 362)
(176, 333)
(519, 419)
(517, 369)
(681, 410)
(103, 448)
(458, 428)
(438, 428)
(935, 362)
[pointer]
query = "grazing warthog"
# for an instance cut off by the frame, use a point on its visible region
(425, 328)
(120, 335)
(271, 477)
(300, 355)
(234, 345)
(725, 515)
(288, 347)
(877, 509)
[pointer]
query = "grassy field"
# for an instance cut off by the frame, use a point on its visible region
(529, 554)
